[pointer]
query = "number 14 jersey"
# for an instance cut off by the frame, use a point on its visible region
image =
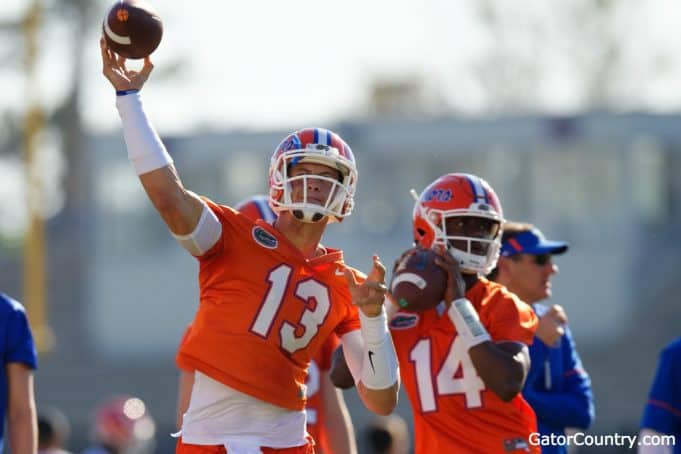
(453, 411)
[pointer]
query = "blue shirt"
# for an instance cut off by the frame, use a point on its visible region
(16, 346)
(662, 412)
(557, 387)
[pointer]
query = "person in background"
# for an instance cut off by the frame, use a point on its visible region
(122, 425)
(662, 412)
(557, 387)
(327, 416)
(19, 360)
(53, 431)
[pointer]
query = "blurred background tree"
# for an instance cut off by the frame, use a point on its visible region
(43, 142)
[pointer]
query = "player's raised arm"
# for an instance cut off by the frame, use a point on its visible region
(180, 209)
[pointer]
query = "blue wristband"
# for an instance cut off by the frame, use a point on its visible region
(126, 92)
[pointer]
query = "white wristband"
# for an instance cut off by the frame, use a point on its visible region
(146, 152)
(467, 322)
(374, 329)
(379, 365)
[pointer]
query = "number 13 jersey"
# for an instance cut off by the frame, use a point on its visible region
(264, 310)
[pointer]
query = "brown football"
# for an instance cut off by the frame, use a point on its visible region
(132, 29)
(418, 283)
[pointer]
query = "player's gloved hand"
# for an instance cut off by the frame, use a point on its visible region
(369, 295)
(551, 325)
(114, 69)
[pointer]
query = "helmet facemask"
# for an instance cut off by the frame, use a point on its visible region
(339, 193)
(473, 254)
(461, 213)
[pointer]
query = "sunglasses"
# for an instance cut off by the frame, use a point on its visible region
(541, 259)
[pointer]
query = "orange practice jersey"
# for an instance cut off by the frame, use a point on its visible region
(453, 411)
(316, 414)
(264, 311)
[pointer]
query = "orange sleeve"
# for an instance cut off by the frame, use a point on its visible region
(511, 319)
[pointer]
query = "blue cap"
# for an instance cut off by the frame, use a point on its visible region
(531, 242)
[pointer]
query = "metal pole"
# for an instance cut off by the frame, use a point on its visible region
(34, 241)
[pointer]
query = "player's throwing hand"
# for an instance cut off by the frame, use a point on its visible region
(369, 295)
(114, 69)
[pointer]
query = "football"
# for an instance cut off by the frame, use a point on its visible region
(418, 283)
(132, 29)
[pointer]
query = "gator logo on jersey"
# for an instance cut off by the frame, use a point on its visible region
(264, 238)
(404, 320)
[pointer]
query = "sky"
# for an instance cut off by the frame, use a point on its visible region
(278, 64)
(295, 62)
(264, 64)
(286, 65)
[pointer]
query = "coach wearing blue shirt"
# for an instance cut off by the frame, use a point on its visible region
(557, 387)
(662, 413)
(16, 382)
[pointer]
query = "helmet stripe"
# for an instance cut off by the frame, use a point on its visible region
(477, 187)
(322, 136)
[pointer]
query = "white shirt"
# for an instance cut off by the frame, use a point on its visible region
(220, 415)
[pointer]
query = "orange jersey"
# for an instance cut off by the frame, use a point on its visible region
(264, 311)
(453, 411)
(316, 415)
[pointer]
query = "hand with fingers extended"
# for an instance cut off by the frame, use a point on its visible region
(456, 286)
(369, 295)
(122, 78)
